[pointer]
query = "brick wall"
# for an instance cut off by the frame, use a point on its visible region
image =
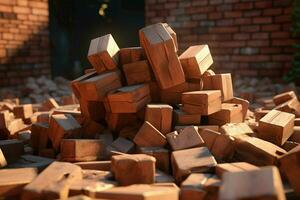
(246, 37)
(24, 40)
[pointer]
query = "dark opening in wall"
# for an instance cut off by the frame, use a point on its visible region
(73, 23)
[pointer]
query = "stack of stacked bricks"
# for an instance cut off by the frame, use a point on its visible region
(151, 123)
(24, 40)
(248, 38)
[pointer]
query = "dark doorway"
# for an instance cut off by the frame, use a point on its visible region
(73, 23)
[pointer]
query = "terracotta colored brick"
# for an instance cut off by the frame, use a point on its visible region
(201, 102)
(63, 126)
(199, 186)
(257, 151)
(222, 168)
(133, 169)
(161, 155)
(76, 150)
(186, 138)
(160, 116)
(13, 180)
(244, 181)
(195, 160)
(141, 191)
(276, 127)
(149, 136)
(53, 181)
(290, 167)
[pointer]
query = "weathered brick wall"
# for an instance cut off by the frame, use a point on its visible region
(24, 40)
(246, 37)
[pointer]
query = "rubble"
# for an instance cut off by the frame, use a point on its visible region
(145, 123)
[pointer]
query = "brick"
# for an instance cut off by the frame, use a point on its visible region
(13, 180)
(235, 129)
(210, 127)
(195, 61)
(220, 145)
(199, 186)
(243, 6)
(229, 113)
(283, 97)
(92, 180)
(129, 131)
(262, 20)
(224, 29)
(104, 57)
(183, 118)
(282, 19)
(161, 155)
(241, 36)
(201, 102)
(243, 102)
(117, 121)
(276, 127)
(195, 160)
(53, 182)
(133, 169)
(39, 136)
(140, 191)
(220, 82)
(95, 165)
(260, 114)
(89, 112)
(137, 72)
(36, 4)
(272, 11)
(250, 28)
(23, 10)
(131, 54)
(270, 176)
(76, 150)
(39, 11)
(50, 103)
(122, 145)
(271, 28)
(256, 151)
(173, 95)
(259, 36)
(129, 99)
(252, 13)
(160, 116)
(223, 168)
(263, 4)
(290, 167)
(186, 138)
(233, 14)
(160, 64)
(149, 136)
(95, 88)
(173, 35)
(63, 126)
(5, 119)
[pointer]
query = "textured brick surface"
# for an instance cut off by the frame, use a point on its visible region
(24, 40)
(245, 37)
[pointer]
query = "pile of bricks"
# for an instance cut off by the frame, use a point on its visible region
(151, 125)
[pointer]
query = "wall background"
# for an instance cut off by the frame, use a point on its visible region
(24, 40)
(246, 37)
